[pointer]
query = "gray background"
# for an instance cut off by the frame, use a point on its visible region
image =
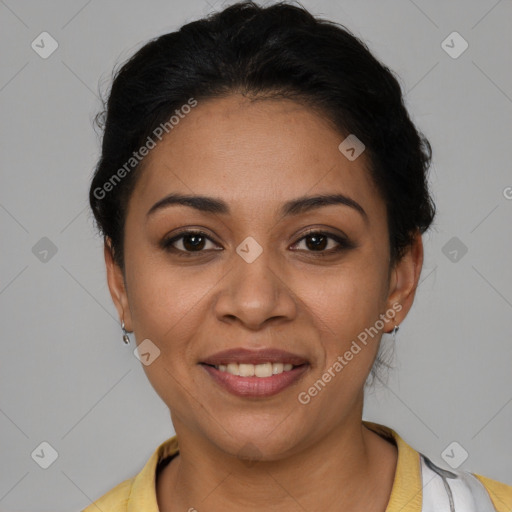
(66, 377)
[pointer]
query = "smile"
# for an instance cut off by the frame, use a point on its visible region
(255, 370)
(255, 380)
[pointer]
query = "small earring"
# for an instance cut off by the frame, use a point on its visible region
(126, 338)
(394, 331)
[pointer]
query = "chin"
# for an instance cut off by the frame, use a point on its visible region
(254, 440)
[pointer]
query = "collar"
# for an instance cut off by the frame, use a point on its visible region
(406, 493)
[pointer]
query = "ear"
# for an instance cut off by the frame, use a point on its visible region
(116, 285)
(404, 279)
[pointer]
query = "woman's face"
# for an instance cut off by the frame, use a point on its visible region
(255, 280)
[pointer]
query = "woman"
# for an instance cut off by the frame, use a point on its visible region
(262, 193)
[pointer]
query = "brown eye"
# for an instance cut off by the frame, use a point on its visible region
(318, 241)
(187, 242)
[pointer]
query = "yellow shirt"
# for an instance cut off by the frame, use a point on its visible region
(419, 485)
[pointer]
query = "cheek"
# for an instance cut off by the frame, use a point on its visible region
(165, 308)
(163, 298)
(345, 301)
(344, 306)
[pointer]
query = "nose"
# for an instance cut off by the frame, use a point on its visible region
(255, 293)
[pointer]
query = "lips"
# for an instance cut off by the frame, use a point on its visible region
(258, 374)
(246, 356)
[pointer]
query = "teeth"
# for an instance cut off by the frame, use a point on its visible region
(263, 370)
(277, 368)
(258, 370)
(246, 370)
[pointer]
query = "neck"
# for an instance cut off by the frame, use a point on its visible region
(349, 468)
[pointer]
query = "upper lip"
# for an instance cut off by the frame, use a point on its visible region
(247, 356)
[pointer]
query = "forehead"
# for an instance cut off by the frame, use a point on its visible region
(253, 154)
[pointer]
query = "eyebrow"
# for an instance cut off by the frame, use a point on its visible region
(294, 207)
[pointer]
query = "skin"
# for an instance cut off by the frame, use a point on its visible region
(256, 156)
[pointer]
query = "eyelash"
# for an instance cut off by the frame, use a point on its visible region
(343, 244)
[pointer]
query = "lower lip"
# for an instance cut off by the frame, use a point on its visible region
(256, 386)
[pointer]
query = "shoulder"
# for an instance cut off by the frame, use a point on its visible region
(421, 485)
(139, 490)
(115, 500)
(500, 493)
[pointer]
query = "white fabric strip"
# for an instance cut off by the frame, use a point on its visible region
(452, 491)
